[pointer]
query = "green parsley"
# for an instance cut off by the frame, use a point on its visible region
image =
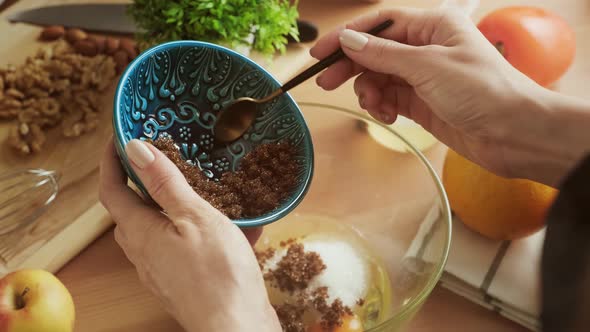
(229, 22)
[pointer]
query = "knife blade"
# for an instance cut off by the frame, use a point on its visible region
(111, 18)
(108, 18)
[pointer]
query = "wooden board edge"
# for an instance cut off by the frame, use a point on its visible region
(53, 255)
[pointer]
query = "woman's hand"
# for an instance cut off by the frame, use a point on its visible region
(199, 264)
(435, 67)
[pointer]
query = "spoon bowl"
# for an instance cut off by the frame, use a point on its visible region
(236, 118)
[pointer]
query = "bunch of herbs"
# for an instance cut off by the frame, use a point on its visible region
(228, 22)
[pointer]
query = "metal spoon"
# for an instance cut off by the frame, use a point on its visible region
(235, 119)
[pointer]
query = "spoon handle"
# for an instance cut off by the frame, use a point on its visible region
(328, 61)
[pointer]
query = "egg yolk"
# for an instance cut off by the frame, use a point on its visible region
(349, 324)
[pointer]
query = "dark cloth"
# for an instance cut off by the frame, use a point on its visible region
(565, 267)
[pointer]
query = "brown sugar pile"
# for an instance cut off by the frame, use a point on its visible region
(263, 256)
(331, 314)
(293, 273)
(297, 269)
(266, 176)
(291, 317)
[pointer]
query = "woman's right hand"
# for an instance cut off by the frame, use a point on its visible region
(435, 67)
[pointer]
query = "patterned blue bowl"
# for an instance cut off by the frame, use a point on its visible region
(176, 89)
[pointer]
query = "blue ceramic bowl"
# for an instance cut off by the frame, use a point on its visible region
(176, 89)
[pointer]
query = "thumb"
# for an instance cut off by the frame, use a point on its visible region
(165, 183)
(380, 55)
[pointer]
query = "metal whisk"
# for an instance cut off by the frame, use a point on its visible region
(24, 195)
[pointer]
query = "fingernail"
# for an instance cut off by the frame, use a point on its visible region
(353, 39)
(319, 81)
(386, 118)
(139, 153)
(312, 52)
(362, 101)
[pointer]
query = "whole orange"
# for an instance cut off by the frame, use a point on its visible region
(536, 41)
(496, 207)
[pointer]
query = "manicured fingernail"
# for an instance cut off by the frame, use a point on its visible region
(319, 81)
(312, 52)
(362, 102)
(353, 39)
(139, 153)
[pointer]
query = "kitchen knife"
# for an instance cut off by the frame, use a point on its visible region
(109, 18)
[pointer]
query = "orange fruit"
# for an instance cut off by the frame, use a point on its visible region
(496, 207)
(536, 41)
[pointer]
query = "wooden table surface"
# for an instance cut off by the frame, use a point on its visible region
(110, 298)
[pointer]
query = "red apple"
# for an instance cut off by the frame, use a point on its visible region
(35, 301)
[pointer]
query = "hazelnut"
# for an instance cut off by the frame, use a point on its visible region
(111, 45)
(75, 35)
(53, 32)
(86, 47)
(130, 47)
(121, 60)
(100, 42)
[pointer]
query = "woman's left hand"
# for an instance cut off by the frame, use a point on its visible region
(199, 264)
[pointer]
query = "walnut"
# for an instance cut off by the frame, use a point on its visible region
(87, 98)
(76, 124)
(28, 115)
(58, 68)
(29, 102)
(9, 79)
(16, 142)
(8, 102)
(61, 86)
(23, 129)
(62, 47)
(14, 93)
(37, 93)
(9, 107)
(106, 68)
(55, 87)
(48, 107)
(9, 113)
(26, 138)
(73, 125)
(44, 53)
(44, 112)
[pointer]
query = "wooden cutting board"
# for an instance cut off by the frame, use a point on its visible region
(76, 217)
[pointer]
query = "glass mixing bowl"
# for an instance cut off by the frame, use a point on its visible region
(393, 200)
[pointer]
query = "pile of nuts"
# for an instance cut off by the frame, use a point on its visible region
(122, 50)
(61, 86)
